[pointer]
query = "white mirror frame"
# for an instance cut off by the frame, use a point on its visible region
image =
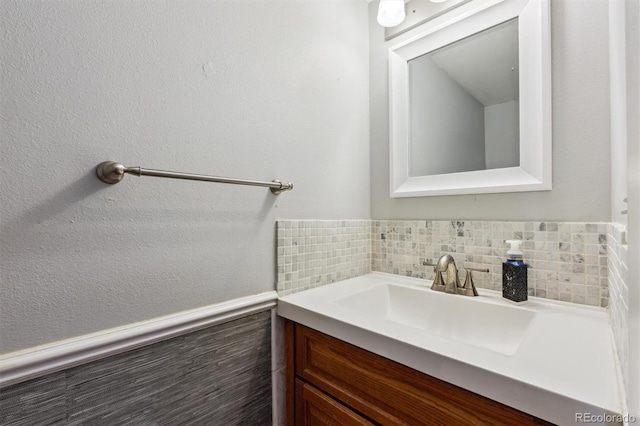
(534, 172)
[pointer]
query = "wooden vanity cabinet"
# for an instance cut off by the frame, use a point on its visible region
(314, 407)
(331, 382)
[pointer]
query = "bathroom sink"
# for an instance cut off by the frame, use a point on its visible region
(485, 324)
(532, 357)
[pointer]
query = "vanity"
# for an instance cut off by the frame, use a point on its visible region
(386, 349)
(331, 376)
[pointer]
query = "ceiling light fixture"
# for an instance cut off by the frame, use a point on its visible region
(391, 12)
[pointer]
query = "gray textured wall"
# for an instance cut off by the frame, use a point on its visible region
(581, 153)
(216, 376)
(248, 89)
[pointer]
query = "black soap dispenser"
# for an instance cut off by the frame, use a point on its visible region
(514, 274)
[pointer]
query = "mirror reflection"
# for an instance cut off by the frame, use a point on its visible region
(464, 104)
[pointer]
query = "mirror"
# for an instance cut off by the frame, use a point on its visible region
(464, 105)
(470, 102)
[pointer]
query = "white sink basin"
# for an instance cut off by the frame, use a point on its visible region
(470, 320)
(547, 358)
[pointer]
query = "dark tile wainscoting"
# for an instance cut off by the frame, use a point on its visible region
(217, 376)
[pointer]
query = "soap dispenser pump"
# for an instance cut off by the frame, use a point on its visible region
(514, 274)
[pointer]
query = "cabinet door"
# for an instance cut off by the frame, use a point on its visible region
(390, 393)
(315, 408)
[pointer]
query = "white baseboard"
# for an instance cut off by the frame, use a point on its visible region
(34, 362)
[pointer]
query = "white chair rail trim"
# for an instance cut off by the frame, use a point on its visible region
(34, 362)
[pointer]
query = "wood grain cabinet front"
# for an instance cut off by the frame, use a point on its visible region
(314, 407)
(352, 386)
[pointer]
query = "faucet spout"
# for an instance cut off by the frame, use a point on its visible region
(446, 264)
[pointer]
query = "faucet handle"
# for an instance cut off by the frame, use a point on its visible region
(477, 269)
(469, 288)
(437, 281)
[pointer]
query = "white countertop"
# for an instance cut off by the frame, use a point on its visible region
(564, 365)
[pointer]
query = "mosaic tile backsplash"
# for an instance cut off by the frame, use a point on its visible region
(619, 294)
(568, 260)
(312, 253)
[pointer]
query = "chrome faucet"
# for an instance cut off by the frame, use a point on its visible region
(451, 283)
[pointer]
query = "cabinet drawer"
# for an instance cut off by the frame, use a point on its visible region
(391, 393)
(314, 408)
